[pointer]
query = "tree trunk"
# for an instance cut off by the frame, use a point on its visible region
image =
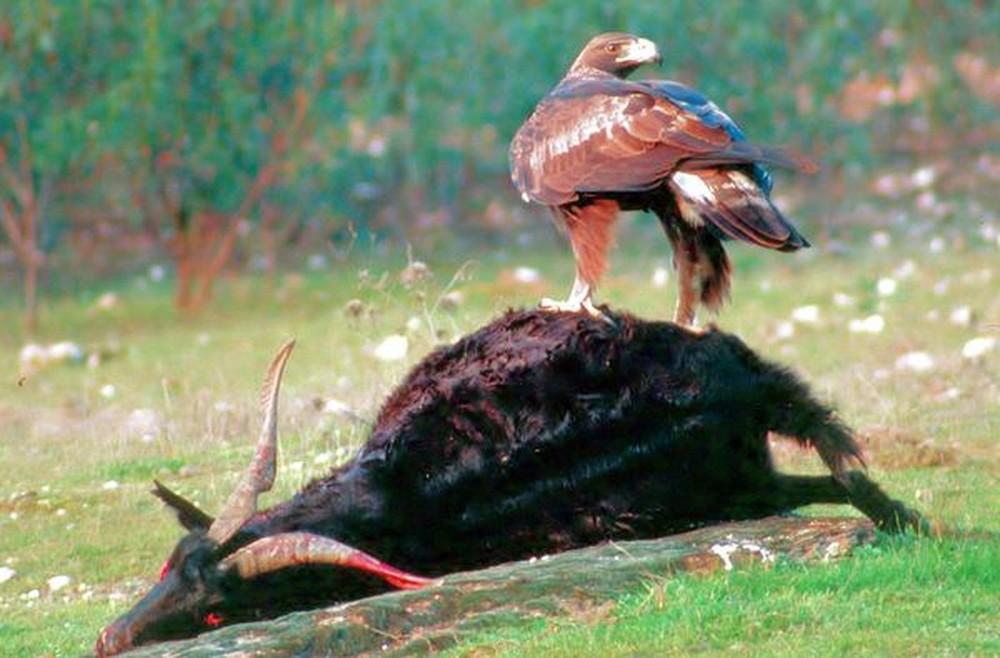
(581, 583)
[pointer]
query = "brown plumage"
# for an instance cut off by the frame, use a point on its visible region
(598, 144)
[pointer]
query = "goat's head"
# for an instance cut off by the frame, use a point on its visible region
(208, 580)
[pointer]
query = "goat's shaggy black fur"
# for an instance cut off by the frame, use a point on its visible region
(545, 431)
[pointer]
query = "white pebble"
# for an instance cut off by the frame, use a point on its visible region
(65, 351)
(111, 485)
(392, 348)
(784, 331)
(6, 573)
(949, 394)
(323, 458)
(108, 391)
(31, 595)
(915, 362)
(843, 300)
(976, 348)
(961, 316)
(873, 324)
(413, 324)
(806, 314)
(886, 287)
(56, 583)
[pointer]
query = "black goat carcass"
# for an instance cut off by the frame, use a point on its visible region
(538, 433)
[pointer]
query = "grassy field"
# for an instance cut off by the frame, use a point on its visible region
(174, 399)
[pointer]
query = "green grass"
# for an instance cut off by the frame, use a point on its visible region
(78, 460)
(898, 598)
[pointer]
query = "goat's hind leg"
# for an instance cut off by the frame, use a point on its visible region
(856, 489)
(887, 513)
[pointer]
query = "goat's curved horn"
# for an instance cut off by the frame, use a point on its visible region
(259, 476)
(297, 548)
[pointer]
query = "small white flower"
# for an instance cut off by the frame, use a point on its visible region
(452, 300)
(784, 331)
(886, 287)
(335, 407)
(976, 348)
(915, 362)
(661, 276)
(923, 177)
(392, 348)
(414, 272)
(316, 262)
(107, 301)
(905, 270)
(843, 300)
(524, 274)
(806, 314)
(881, 239)
(873, 324)
(108, 391)
(936, 245)
(6, 573)
(111, 485)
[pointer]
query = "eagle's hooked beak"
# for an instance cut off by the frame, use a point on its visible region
(640, 51)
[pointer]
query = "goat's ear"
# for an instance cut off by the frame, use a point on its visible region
(188, 515)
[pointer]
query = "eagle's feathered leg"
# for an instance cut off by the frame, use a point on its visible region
(589, 227)
(703, 268)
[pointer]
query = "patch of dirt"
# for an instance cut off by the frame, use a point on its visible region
(893, 448)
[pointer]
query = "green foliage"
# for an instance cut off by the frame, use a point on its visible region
(414, 103)
(141, 470)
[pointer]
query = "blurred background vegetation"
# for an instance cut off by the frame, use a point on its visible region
(220, 135)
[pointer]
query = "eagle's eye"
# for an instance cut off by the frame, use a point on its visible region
(612, 47)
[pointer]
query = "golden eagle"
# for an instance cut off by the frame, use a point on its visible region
(599, 143)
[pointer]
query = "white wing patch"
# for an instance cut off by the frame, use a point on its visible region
(693, 187)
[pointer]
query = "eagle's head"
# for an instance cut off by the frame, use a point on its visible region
(615, 53)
